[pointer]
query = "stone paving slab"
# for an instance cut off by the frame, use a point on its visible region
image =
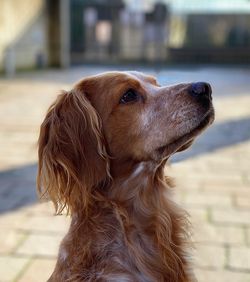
(11, 266)
(209, 233)
(210, 256)
(221, 276)
(9, 240)
(40, 245)
(35, 271)
(213, 178)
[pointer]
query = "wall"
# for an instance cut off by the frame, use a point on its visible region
(23, 39)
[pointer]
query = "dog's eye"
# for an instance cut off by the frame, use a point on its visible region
(129, 96)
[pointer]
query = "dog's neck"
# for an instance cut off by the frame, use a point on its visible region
(141, 185)
(148, 228)
(135, 179)
(142, 200)
(151, 226)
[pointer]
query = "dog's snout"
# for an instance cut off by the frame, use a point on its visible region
(200, 90)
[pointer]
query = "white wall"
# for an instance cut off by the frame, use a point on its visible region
(23, 30)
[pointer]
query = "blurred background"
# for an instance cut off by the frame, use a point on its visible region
(47, 45)
(44, 33)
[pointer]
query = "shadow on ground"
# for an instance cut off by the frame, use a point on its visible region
(17, 186)
(218, 136)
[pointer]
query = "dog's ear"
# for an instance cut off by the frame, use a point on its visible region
(72, 155)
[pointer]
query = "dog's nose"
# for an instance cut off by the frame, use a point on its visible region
(201, 90)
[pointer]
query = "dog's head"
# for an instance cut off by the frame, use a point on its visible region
(115, 117)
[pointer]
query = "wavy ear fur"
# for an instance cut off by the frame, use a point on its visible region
(72, 155)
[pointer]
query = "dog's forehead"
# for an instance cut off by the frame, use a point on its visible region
(144, 77)
(140, 75)
(124, 75)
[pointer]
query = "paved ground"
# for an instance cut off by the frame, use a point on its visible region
(213, 178)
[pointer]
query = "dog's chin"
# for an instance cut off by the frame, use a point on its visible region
(185, 141)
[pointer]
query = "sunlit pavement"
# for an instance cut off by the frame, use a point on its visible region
(213, 177)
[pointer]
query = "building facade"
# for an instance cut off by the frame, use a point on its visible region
(33, 34)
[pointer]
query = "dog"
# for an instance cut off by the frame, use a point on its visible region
(102, 150)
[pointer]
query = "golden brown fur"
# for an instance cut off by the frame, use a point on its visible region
(103, 160)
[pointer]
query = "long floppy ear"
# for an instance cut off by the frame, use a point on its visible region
(72, 155)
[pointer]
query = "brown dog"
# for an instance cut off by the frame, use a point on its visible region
(102, 151)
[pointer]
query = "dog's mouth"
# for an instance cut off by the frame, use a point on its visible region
(185, 141)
